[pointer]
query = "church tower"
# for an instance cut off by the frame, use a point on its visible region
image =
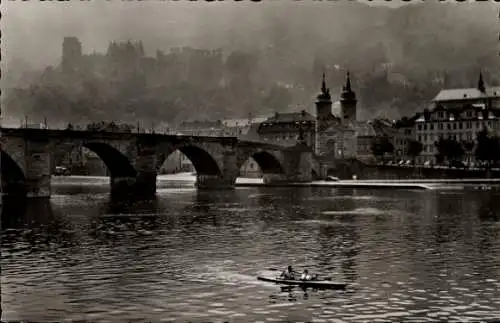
(348, 103)
(323, 116)
(480, 83)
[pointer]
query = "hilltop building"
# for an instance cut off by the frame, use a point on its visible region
(71, 54)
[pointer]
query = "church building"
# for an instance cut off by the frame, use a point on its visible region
(336, 135)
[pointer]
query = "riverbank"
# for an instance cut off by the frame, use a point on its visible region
(416, 184)
(243, 182)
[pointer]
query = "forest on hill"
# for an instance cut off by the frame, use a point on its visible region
(271, 60)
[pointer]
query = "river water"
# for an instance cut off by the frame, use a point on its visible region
(409, 256)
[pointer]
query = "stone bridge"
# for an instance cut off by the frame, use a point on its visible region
(133, 160)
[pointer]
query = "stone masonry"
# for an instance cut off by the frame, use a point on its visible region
(133, 160)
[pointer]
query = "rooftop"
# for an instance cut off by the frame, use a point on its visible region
(290, 117)
(466, 94)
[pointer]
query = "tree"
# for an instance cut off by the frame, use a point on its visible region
(414, 148)
(487, 149)
(469, 148)
(449, 150)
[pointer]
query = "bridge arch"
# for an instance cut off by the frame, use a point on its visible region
(13, 177)
(117, 163)
(203, 161)
(268, 162)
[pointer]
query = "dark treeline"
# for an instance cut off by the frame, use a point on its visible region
(399, 59)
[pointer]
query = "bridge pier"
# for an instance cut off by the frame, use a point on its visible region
(214, 182)
(298, 166)
(275, 178)
(226, 179)
(38, 169)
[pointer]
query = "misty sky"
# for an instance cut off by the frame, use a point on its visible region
(32, 31)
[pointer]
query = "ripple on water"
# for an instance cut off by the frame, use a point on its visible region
(425, 261)
(357, 211)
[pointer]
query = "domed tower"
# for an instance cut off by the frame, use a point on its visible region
(323, 115)
(348, 102)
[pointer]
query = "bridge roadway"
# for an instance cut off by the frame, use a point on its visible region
(133, 159)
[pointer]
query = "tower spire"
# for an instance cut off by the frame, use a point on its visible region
(480, 83)
(325, 92)
(323, 84)
(348, 82)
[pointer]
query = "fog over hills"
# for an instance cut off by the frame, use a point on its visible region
(399, 57)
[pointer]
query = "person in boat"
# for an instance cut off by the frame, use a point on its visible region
(306, 275)
(288, 274)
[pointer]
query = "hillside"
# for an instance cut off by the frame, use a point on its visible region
(273, 58)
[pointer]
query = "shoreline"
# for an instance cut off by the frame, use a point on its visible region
(419, 184)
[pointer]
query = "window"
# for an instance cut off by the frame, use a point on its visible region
(454, 126)
(425, 127)
(460, 125)
(440, 126)
(449, 126)
(432, 126)
(419, 127)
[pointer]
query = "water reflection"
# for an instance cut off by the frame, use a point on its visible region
(489, 206)
(34, 221)
(119, 220)
(192, 255)
(116, 205)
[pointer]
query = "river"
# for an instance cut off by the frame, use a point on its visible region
(188, 255)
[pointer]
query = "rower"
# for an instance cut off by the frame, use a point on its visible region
(288, 274)
(305, 275)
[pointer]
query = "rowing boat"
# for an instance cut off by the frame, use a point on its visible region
(320, 284)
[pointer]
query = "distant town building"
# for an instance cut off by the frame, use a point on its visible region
(287, 129)
(242, 128)
(458, 114)
(403, 134)
(365, 134)
(336, 135)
